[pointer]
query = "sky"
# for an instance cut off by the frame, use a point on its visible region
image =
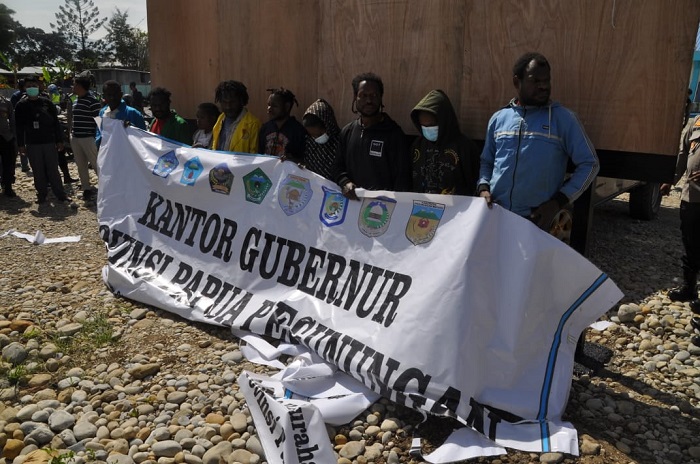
(39, 13)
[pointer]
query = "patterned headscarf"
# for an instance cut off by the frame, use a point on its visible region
(320, 158)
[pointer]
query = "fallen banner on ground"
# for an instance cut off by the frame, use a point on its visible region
(435, 302)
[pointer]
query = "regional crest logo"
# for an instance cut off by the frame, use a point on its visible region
(192, 169)
(375, 215)
(424, 221)
(333, 208)
(256, 184)
(294, 194)
(221, 179)
(166, 164)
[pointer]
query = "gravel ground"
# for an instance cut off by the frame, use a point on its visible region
(112, 380)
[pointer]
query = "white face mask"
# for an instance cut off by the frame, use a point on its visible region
(321, 139)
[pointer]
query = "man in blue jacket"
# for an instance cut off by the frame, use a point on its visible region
(116, 108)
(528, 145)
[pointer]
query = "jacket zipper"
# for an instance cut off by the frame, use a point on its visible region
(517, 156)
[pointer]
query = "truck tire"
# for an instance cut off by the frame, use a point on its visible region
(645, 201)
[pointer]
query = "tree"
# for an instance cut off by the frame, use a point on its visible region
(78, 20)
(34, 47)
(7, 27)
(128, 45)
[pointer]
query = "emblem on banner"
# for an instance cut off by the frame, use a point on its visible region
(221, 179)
(192, 169)
(257, 184)
(333, 208)
(294, 194)
(375, 215)
(166, 164)
(424, 221)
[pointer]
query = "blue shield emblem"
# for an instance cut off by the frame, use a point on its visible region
(192, 169)
(333, 207)
(166, 164)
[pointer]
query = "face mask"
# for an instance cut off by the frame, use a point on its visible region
(321, 139)
(33, 91)
(430, 133)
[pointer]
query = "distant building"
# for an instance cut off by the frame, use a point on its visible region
(124, 77)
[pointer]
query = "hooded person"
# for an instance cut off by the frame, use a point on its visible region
(445, 161)
(321, 144)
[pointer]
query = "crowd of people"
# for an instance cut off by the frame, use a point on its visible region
(523, 166)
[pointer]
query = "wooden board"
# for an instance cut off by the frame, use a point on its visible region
(622, 65)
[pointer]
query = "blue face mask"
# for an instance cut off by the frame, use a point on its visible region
(33, 91)
(430, 133)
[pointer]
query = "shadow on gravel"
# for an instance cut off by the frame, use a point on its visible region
(643, 259)
(13, 206)
(648, 418)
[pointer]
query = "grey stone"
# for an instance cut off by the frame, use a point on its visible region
(352, 449)
(254, 446)
(84, 429)
(233, 357)
(216, 454)
(240, 455)
(61, 420)
(70, 329)
(167, 448)
(119, 459)
(15, 353)
(68, 382)
(138, 313)
(239, 422)
(552, 458)
(26, 412)
(144, 370)
(390, 425)
(40, 436)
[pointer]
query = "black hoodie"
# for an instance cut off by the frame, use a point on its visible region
(374, 158)
(449, 165)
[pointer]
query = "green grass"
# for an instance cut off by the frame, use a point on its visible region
(95, 333)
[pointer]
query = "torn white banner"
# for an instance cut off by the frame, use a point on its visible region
(39, 238)
(290, 431)
(338, 397)
(435, 302)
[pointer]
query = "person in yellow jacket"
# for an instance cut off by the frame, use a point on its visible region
(236, 129)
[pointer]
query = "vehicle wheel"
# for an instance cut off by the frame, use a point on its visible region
(645, 201)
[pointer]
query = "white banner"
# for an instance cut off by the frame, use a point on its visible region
(290, 431)
(435, 302)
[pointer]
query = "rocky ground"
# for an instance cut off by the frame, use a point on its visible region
(112, 380)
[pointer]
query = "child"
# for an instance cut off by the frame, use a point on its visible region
(207, 114)
(282, 135)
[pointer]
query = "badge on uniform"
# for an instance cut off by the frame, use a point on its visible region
(192, 169)
(424, 221)
(294, 194)
(221, 179)
(333, 208)
(375, 215)
(256, 184)
(166, 164)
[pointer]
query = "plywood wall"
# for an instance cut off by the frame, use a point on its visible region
(622, 65)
